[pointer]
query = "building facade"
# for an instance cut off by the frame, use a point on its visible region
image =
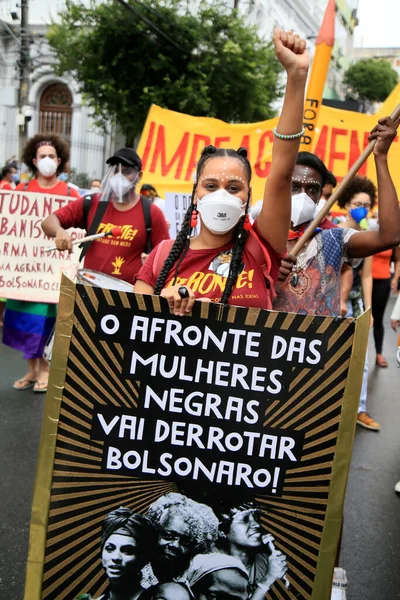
(54, 106)
(305, 18)
(391, 55)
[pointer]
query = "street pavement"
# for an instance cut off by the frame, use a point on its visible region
(371, 539)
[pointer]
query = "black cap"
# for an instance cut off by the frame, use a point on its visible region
(127, 157)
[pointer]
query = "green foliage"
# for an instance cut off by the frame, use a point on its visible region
(371, 79)
(82, 180)
(122, 66)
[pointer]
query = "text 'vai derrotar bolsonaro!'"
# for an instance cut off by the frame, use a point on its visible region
(198, 415)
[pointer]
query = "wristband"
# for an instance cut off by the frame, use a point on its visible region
(288, 136)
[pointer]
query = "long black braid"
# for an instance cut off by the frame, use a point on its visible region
(182, 241)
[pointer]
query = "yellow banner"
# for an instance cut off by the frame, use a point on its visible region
(172, 142)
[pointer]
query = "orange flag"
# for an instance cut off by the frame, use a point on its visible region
(318, 74)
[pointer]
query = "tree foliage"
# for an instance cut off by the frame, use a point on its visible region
(222, 68)
(371, 79)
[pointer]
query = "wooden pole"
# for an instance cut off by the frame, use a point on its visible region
(307, 235)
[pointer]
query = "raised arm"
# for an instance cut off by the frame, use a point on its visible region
(365, 243)
(274, 219)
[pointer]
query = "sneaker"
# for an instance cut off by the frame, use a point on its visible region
(339, 584)
(397, 487)
(366, 421)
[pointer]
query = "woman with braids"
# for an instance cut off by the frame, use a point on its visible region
(27, 325)
(226, 262)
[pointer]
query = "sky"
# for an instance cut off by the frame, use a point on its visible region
(379, 20)
(378, 24)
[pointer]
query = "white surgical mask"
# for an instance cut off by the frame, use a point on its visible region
(47, 167)
(303, 209)
(373, 224)
(220, 211)
(121, 184)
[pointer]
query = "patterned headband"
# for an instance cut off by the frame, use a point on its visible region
(44, 143)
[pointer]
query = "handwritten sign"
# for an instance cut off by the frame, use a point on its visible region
(27, 272)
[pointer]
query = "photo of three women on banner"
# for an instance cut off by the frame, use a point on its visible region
(183, 548)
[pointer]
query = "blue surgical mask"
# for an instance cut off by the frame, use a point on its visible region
(63, 177)
(358, 214)
(15, 177)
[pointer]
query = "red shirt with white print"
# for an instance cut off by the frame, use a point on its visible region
(205, 273)
(116, 256)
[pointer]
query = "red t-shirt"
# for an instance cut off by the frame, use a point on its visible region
(205, 272)
(327, 224)
(4, 185)
(60, 189)
(116, 256)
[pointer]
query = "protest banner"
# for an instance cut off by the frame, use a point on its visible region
(233, 411)
(176, 206)
(27, 272)
(171, 144)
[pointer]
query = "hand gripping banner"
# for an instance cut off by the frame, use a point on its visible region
(196, 455)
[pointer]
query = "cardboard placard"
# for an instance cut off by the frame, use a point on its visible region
(27, 272)
(229, 422)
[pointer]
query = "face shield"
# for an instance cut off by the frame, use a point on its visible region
(119, 183)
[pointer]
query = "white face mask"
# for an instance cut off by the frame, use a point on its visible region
(320, 205)
(373, 224)
(303, 209)
(121, 184)
(46, 166)
(220, 211)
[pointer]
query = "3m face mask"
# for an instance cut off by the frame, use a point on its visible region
(46, 166)
(121, 185)
(220, 211)
(303, 209)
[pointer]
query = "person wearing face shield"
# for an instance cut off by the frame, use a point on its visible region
(27, 325)
(311, 284)
(117, 204)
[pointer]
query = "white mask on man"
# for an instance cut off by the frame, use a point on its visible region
(121, 184)
(220, 211)
(46, 166)
(303, 209)
(320, 205)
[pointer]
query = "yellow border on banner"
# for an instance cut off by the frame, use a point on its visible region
(48, 438)
(341, 465)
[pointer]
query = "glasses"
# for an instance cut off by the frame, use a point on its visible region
(357, 204)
